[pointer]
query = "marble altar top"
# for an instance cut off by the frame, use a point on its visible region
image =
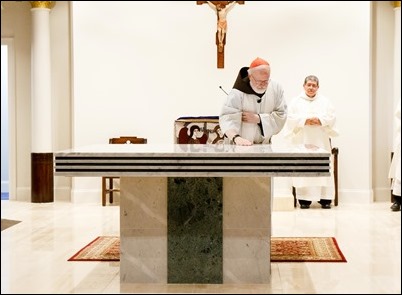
(191, 150)
(192, 160)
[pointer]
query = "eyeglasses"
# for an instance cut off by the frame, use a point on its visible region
(259, 82)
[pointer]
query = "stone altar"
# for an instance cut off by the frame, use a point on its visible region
(154, 235)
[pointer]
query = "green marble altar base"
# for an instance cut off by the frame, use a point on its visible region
(195, 230)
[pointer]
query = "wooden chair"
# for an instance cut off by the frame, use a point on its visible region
(334, 152)
(108, 181)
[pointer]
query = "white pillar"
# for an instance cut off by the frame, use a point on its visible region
(397, 60)
(41, 103)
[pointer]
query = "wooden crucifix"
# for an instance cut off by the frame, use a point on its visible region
(221, 9)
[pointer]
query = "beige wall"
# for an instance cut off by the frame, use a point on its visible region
(136, 67)
(16, 26)
(382, 103)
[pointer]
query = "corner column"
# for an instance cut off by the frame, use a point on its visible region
(397, 57)
(41, 141)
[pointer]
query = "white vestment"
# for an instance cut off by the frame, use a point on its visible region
(395, 169)
(301, 108)
(271, 109)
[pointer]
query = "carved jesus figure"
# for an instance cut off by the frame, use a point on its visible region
(221, 12)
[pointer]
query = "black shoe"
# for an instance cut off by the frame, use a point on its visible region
(304, 204)
(396, 207)
(325, 204)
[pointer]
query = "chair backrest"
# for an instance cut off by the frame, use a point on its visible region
(109, 179)
(127, 140)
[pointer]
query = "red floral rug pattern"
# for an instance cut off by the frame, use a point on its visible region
(104, 248)
(283, 249)
(308, 249)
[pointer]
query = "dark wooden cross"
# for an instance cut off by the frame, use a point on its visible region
(221, 9)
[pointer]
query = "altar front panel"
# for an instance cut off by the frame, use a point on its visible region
(246, 230)
(245, 225)
(143, 230)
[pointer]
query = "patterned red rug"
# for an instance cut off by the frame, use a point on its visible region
(307, 249)
(104, 248)
(317, 249)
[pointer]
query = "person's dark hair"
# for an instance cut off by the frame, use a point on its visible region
(311, 78)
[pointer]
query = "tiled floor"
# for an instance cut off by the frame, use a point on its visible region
(34, 252)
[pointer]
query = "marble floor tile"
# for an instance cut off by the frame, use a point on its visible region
(34, 252)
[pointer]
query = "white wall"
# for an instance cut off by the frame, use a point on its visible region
(382, 86)
(5, 176)
(137, 66)
(15, 29)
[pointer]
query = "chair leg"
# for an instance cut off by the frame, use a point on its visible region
(103, 191)
(335, 152)
(111, 190)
